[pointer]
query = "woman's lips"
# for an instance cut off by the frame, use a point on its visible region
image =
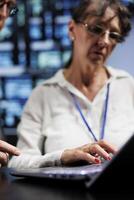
(97, 56)
(99, 53)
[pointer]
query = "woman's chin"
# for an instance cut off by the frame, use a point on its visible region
(97, 62)
(96, 59)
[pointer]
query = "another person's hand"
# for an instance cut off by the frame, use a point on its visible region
(6, 150)
(91, 153)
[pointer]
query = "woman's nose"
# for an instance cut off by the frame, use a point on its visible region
(104, 39)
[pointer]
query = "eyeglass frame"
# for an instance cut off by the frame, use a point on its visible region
(90, 29)
(12, 9)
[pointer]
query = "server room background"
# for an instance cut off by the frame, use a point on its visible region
(33, 46)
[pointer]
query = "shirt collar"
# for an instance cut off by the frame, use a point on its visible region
(117, 73)
(59, 78)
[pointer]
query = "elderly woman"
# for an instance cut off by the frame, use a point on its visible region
(7, 7)
(86, 111)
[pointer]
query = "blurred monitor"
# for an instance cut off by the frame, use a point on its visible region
(18, 88)
(6, 59)
(21, 14)
(22, 58)
(67, 4)
(6, 55)
(6, 34)
(48, 31)
(35, 7)
(45, 55)
(61, 30)
(65, 57)
(1, 92)
(11, 111)
(35, 29)
(48, 17)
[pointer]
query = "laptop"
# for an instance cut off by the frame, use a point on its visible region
(114, 175)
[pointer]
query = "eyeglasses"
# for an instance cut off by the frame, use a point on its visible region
(11, 7)
(98, 30)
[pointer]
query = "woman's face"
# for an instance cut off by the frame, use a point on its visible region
(91, 48)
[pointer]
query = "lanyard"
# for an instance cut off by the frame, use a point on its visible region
(104, 115)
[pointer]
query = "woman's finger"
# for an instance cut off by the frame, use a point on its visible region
(75, 155)
(96, 149)
(3, 158)
(108, 147)
(8, 148)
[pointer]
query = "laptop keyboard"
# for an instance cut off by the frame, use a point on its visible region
(61, 173)
(72, 172)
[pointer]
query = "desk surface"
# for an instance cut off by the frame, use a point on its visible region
(12, 188)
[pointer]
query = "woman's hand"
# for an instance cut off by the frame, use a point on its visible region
(6, 150)
(91, 153)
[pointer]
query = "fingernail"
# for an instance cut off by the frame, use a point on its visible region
(109, 158)
(97, 160)
(17, 152)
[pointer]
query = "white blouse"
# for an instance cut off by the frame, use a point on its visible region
(51, 123)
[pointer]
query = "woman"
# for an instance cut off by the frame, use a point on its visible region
(80, 114)
(7, 7)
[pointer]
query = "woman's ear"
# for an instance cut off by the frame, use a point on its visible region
(71, 29)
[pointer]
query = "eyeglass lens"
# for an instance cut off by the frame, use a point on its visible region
(98, 30)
